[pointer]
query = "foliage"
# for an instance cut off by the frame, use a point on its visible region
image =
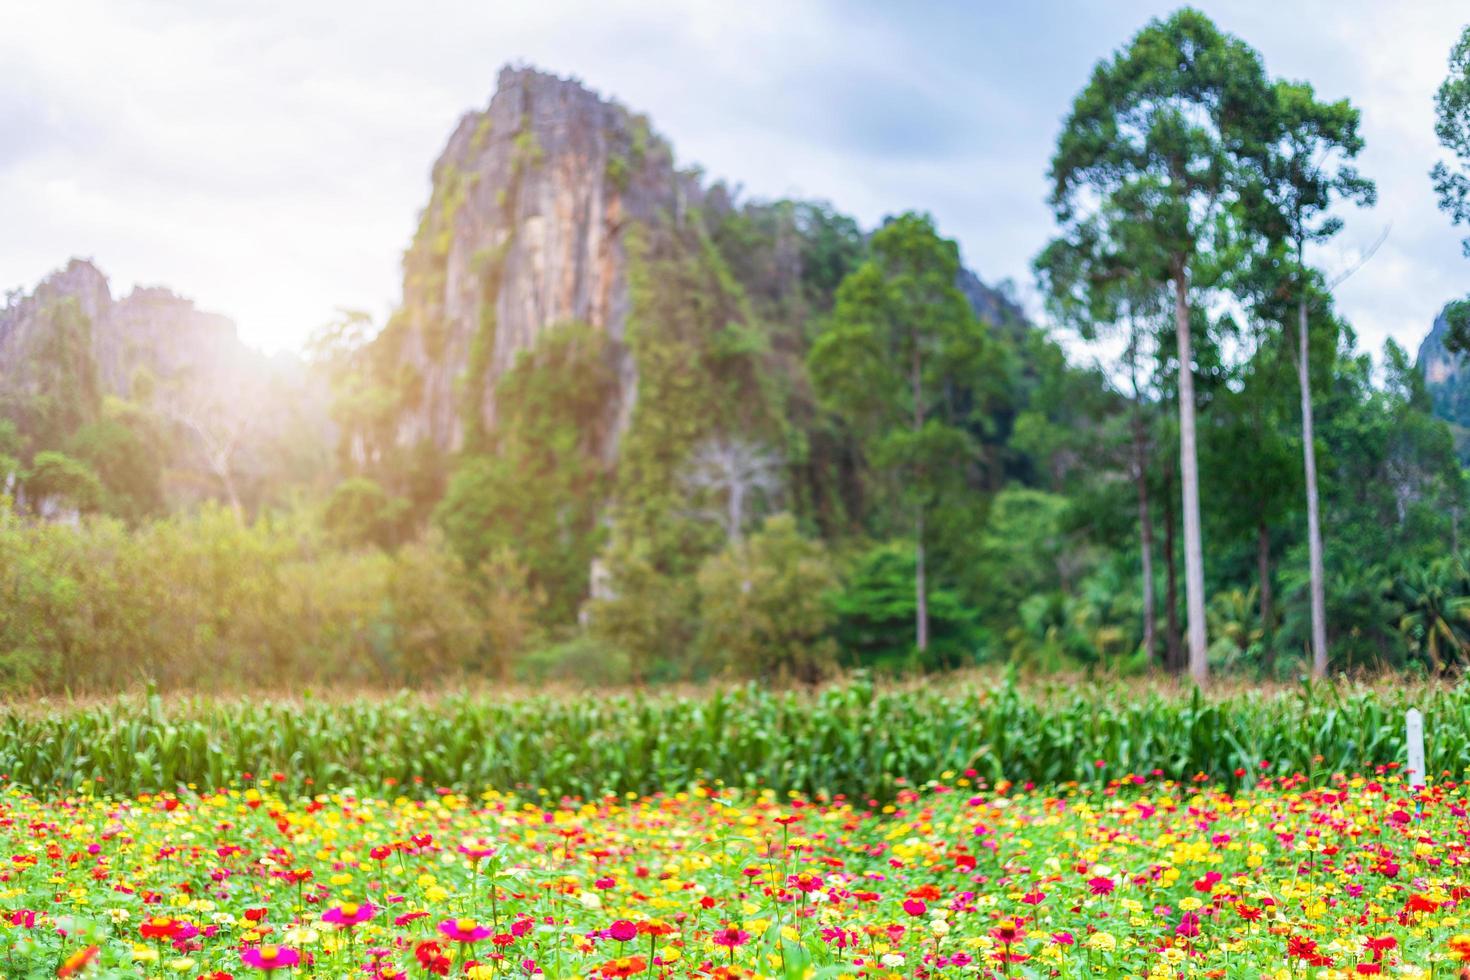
(875, 610)
(645, 615)
(764, 605)
(858, 738)
(360, 512)
(1452, 126)
(536, 490)
(55, 482)
(205, 600)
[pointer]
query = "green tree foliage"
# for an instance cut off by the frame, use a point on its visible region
(875, 617)
(701, 356)
(537, 489)
(360, 512)
(1452, 180)
(1145, 167)
(1452, 126)
(765, 605)
(56, 482)
(905, 362)
(123, 449)
(63, 391)
(205, 602)
(646, 616)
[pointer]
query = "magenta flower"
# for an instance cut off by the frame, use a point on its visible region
(1101, 886)
(349, 914)
(623, 931)
(731, 937)
(1188, 925)
(477, 848)
(464, 930)
(915, 907)
(270, 957)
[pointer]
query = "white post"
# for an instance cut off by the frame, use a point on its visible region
(1414, 729)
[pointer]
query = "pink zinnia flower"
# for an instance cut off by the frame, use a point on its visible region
(270, 957)
(464, 930)
(1101, 886)
(349, 914)
(477, 848)
(623, 931)
(731, 937)
(915, 907)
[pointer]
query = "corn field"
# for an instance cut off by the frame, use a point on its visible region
(858, 740)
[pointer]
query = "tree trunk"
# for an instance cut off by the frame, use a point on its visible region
(1314, 521)
(1263, 571)
(1194, 554)
(921, 589)
(1173, 654)
(1145, 513)
(1145, 543)
(921, 592)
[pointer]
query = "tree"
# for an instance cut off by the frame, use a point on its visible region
(1452, 181)
(360, 512)
(1303, 176)
(1153, 144)
(1088, 287)
(903, 361)
(875, 616)
(764, 605)
(739, 473)
(122, 448)
(56, 481)
(537, 487)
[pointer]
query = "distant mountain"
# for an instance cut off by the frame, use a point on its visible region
(542, 204)
(231, 422)
(1447, 376)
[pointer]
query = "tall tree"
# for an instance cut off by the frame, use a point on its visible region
(1157, 136)
(1305, 173)
(904, 361)
(1452, 181)
(1088, 286)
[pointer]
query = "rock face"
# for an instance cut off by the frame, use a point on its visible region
(238, 415)
(536, 203)
(1447, 376)
(528, 227)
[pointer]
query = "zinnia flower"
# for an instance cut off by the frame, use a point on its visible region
(730, 938)
(349, 914)
(76, 961)
(270, 957)
(464, 930)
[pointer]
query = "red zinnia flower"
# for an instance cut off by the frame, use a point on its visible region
(624, 966)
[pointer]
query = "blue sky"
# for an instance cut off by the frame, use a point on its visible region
(269, 159)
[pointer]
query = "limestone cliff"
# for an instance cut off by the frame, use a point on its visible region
(238, 419)
(1447, 376)
(533, 203)
(539, 203)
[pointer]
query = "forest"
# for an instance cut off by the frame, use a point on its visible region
(845, 453)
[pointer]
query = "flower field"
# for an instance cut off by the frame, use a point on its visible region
(1136, 876)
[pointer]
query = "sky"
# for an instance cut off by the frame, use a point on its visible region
(269, 159)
